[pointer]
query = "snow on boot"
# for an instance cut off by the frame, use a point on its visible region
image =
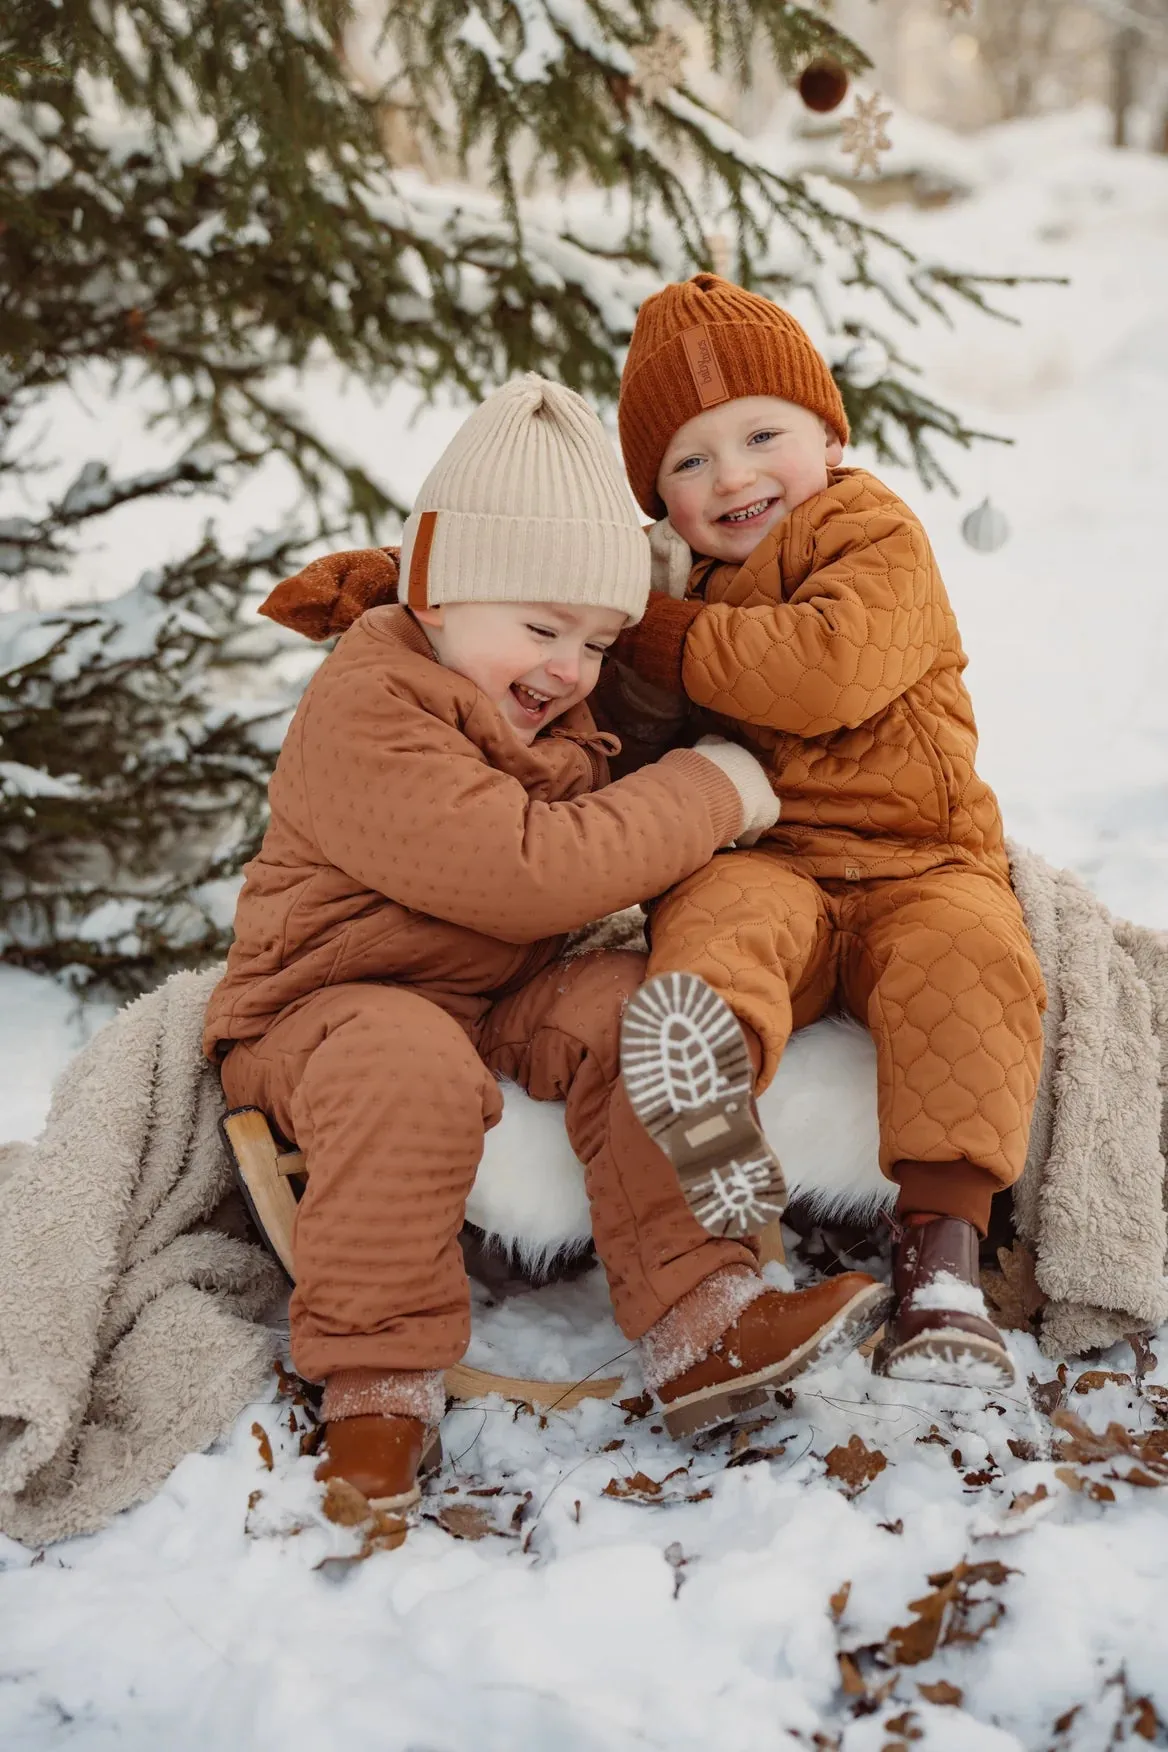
(689, 1078)
(940, 1331)
(382, 1457)
(776, 1337)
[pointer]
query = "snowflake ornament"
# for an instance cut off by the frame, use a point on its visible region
(862, 134)
(659, 65)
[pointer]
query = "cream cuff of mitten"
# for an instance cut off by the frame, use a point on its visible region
(760, 806)
(670, 560)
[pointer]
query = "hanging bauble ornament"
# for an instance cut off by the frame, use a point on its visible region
(823, 85)
(865, 364)
(985, 528)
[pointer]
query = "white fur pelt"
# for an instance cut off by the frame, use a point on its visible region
(819, 1114)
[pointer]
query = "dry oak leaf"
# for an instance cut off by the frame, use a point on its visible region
(855, 1466)
(1026, 1499)
(948, 1614)
(1049, 1395)
(464, 1521)
(1012, 1291)
(1092, 1379)
(639, 1487)
(636, 1408)
(940, 1691)
(850, 1676)
(263, 1444)
(1092, 1487)
(1083, 1445)
(839, 1601)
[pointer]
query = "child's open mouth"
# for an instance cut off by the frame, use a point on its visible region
(748, 514)
(533, 705)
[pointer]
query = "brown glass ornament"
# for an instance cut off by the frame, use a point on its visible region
(823, 85)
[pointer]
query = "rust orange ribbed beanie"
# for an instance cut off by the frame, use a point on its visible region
(703, 341)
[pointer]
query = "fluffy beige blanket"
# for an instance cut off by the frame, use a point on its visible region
(130, 1329)
(1091, 1202)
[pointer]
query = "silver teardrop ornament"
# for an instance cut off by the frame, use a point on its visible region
(985, 528)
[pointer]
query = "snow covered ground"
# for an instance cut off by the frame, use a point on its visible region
(630, 1592)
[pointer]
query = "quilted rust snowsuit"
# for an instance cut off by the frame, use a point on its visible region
(397, 947)
(833, 654)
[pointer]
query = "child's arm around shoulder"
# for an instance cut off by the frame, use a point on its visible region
(407, 804)
(864, 625)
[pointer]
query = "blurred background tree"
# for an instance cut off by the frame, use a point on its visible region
(202, 200)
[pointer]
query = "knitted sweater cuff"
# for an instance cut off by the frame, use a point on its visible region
(655, 647)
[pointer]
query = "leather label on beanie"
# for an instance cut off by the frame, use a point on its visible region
(417, 595)
(703, 364)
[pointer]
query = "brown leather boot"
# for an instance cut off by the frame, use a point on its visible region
(776, 1337)
(381, 1457)
(939, 1331)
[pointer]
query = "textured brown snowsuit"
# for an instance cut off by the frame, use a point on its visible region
(397, 945)
(833, 654)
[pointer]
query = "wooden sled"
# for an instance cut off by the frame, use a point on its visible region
(272, 1181)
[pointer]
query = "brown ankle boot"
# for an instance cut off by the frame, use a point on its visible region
(776, 1337)
(381, 1457)
(939, 1331)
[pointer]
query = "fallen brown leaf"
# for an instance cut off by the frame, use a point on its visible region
(263, 1444)
(905, 1724)
(1142, 1351)
(1092, 1379)
(1147, 1723)
(748, 1456)
(520, 1510)
(896, 1526)
(637, 1408)
(839, 1601)
(1049, 1395)
(856, 1465)
(1026, 1499)
(1157, 1398)
(1012, 1291)
(850, 1677)
(949, 1614)
(1022, 1449)
(464, 1521)
(1092, 1487)
(940, 1691)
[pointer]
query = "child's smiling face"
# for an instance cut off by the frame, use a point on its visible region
(533, 660)
(735, 470)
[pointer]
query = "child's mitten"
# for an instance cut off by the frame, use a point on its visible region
(760, 806)
(334, 591)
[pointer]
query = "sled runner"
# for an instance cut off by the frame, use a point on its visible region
(272, 1181)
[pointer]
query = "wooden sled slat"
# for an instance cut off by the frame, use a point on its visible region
(463, 1382)
(267, 1190)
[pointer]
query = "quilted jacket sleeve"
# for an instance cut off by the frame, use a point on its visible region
(864, 627)
(406, 805)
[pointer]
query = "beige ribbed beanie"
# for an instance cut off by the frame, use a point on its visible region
(527, 503)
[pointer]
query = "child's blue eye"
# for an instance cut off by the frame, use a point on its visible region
(687, 462)
(761, 437)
